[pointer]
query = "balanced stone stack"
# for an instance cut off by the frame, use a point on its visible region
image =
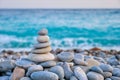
(41, 51)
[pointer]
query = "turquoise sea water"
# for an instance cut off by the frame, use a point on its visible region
(67, 28)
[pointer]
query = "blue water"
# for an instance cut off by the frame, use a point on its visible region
(67, 28)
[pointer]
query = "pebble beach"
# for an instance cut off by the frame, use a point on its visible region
(44, 63)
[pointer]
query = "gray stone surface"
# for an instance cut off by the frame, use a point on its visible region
(44, 75)
(107, 74)
(6, 65)
(96, 69)
(25, 78)
(58, 70)
(4, 77)
(34, 69)
(73, 78)
(24, 63)
(94, 76)
(66, 56)
(116, 72)
(80, 74)
(48, 63)
(106, 67)
(67, 70)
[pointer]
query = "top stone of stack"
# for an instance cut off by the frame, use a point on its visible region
(43, 32)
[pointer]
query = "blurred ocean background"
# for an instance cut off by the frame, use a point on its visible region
(74, 28)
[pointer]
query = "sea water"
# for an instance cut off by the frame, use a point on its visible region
(68, 28)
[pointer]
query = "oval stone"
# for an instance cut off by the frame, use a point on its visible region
(42, 45)
(66, 56)
(43, 39)
(44, 31)
(94, 76)
(33, 69)
(42, 50)
(92, 62)
(58, 70)
(44, 75)
(41, 57)
(80, 74)
(48, 64)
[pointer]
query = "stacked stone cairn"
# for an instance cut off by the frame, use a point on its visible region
(41, 51)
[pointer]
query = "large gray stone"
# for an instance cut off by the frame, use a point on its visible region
(107, 74)
(106, 67)
(80, 74)
(44, 75)
(48, 64)
(115, 78)
(6, 65)
(33, 69)
(73, 78)
(25, 78)
(116, 72)
(58, 70)
(96, 69)
(24, 63)
(66, 56)
(94, 76)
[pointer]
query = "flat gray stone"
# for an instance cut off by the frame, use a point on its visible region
(94, 76)
(44, 75)
(107, 74)
(66, 56)
(115, 78)
(34, 69)
(48, 64)
(58, 70)
(6, 65)
(96, 69)
(24, 63)
(116, 72)
(106, 68)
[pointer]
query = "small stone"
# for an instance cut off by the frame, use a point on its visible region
(17, 74)
(79, 59)
(33, 69)
(108, 79)
(42, 50)
(24, 63)
(43, 39)
(92, 62)
(41, 57)
(67, 70)
(106, 68)
(107, 74)
(113, 61)
(25, 78)
(43, 32)
(6, 65)
(48, 64)
(41, 45)
(118, 56)
(94, 76)
(85, 68)
(116, 72)
(4, 77)
(58, 70)
(44, 75)
(115, 78)
(96, 69)
(80, 74)
(66, 56)
(73, 78)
